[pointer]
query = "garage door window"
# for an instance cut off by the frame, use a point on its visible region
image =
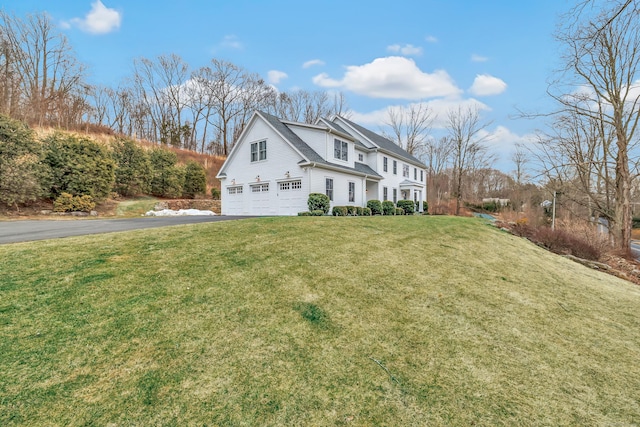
(290, 185)
(235, 190)
(260, 188)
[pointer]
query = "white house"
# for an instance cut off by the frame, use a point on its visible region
(276, 164)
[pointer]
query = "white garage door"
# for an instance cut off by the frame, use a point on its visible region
(291, 198)
(259, 199)
(233, 200)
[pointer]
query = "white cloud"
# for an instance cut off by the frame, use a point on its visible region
(100, 20)
(485, 85)
(478, 58)
(312, 62)
(406, 50)
(431, 39)
(231, 41)
(392, 77)
(275, 76)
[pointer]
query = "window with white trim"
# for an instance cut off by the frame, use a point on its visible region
(352, 191)
(259, 151)
(260, 188)
(360, 157)
(415, 173)
(405, 171)
(235, 189)
(385, 193)
(329, 188)
(421, 175)
(395, 195)
(285, 186)
(296, 185)
(340, 150)
(385, 165)
(395, 167)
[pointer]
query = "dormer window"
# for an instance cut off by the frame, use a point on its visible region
(340, 150)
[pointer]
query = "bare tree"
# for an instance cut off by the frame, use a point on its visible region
(410, 127)
(469, 153)
(42, 69)
(599, 84)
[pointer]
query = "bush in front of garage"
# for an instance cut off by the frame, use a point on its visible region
(318, 201)
(305, 213)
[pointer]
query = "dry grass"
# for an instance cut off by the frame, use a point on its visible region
(314, 321)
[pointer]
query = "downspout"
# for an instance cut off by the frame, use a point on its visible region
(364, 196)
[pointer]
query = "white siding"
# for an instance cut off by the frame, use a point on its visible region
(281, 158)
(340, 187)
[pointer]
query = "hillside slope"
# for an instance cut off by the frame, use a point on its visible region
(314, 321)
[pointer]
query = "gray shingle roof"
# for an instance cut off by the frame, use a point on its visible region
(383, 142)
(340, 129)
(309, 153)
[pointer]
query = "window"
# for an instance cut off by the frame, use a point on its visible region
(360, 157)
(235, 190)
(259, 151)
(257, 188)
(329, 188)
(385, 193)
(421, 175)
(290, 185)
(340, 150)
(395, 167)
(352, 191)
(385, 162)
(415, 173)
(405, 171)
(395, 195)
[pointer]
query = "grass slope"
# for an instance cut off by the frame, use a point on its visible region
(313, 321)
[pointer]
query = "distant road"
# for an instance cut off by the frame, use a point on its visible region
(635, 249)
(29, 230)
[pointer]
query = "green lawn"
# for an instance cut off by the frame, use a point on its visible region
(396, 321)
(136, 206)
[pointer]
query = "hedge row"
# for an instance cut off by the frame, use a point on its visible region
(320, 203)
(31, 169)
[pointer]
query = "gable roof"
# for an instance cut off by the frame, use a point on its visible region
(336, 127)
(382, 142)
(309, 155)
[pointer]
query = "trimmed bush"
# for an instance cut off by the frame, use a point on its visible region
(306, 213)
(351, 210)
(69, 203)
(319, 201)
(339, 211)
(399, 211)
(388, 208)
(425, 208)
(366, 211)
(407, 205)
(375, 206)
(215, 193)
(195, 180)
(317, 212)
(359, 210)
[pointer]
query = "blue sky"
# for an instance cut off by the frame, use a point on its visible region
(496, 54)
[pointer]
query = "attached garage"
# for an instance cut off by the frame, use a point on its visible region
(291, 198)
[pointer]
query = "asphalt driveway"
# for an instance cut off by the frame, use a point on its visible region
(29, 230)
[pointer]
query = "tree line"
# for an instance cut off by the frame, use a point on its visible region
(164, 100)
(70, 169)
